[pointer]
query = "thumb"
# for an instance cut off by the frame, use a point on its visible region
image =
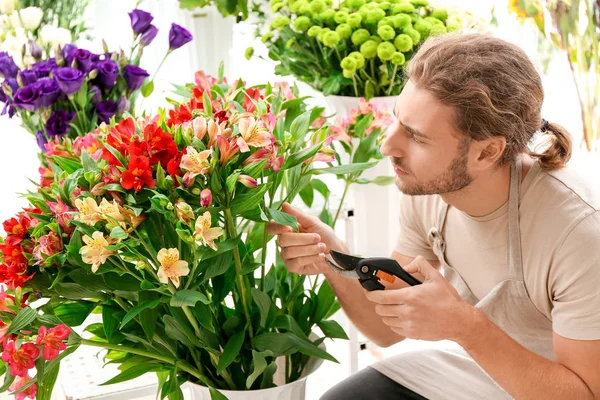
(303, 219)
(420, 266)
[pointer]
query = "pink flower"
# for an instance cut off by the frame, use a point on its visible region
(4, 304)
(206, 198)
(268, 153)
(227, 148)
(204, 81)
(19, 382)
(20, 360)
(48, 245)
(326, 152)
(55, 148)
(63, 214)
(90, 143)
(285, 89)
(247, 181)
(53, 340)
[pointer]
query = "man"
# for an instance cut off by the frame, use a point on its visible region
(505, 240)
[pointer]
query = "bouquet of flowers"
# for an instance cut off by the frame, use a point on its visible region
(71, 92)
(158, 224)
(236, 8)
(355, 49)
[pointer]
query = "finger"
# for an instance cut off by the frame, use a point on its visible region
(393, 322)
(387, 310)
(298, 239)
(273, 228)
(291, 252)
(394, 296)
(303, 218)
(298, 265)
(421, 266)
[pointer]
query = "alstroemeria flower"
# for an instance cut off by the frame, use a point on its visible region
(63, 214)
(171, 267)
(268, 153)
(326, 153)
(204, 233)
(199, 127)
(52, 340)
(247, 181)
(195, 164)
(253, 133)
(48, 245)
(95, 252)
(205, 198)
(4, 303)
(184, 211)
(138, 174)
(19, 382)
(228, 147)
(215, 130)
(89, 213)
(20, 360)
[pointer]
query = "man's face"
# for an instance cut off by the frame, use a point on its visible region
(428, 154)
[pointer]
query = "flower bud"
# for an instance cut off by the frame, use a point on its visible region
(206, 198)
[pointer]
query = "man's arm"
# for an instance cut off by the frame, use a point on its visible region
(361, 311)
(524, 374)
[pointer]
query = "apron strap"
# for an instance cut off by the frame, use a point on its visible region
(515, 260)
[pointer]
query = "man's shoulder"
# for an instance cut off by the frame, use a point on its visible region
(576, 185)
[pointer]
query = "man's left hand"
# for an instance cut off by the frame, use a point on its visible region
(430, 311)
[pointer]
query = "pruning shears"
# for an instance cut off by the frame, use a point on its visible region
(369, 271)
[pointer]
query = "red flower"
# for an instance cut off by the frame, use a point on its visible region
(17, 226)
(161, 146)
(63, 215)
(52, 340)
(13, 275)
(221, 116)
(19, 382)
(13, 252)
(179, 116)
(138, 174)
(46, 177)
(251, 94)
(173, 167)
(119, 137)
(20, 360)
(4, 304)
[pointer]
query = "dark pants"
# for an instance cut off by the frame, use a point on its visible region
(370, 384)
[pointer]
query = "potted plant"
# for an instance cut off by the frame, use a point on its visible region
(158, 224)
(67, 91)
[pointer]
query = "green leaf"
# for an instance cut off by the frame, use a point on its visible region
(248, 201)
(22, 320)
(231, 350)
(67, 164)
(267, 376)
(74, 291)
(118, 233)
(263, 301)
(307, 194)
(115, 153)
(288, 323)
(361, 126)
(216, 395)
(88, 162)
(258, 366)
(326, 299)
(294, 159)
(147, 88)
(188, 298)
(384, 180)
(333, 84)
(344, 169)
(300, 126)
(332, 330)
(148, 316)
(287, 343)
(231, 181)
(8, 380)
(46, 384)
(219, 265)
(178, 332)
(133, 372)
(131, 314)
(110, 320)
(207, 103)
(283, 218)
(73, 314)
(320, 187)
(255, 169)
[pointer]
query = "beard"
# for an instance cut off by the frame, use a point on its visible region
(455, 178)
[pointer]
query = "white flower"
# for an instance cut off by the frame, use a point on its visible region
(7, 6)
(15, 20)
(62, 37)
(54, 36)
(31, 17)
(4, 22)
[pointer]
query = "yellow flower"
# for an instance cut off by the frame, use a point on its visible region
(171, 267)
(133, 219)
(95, 252)
(195, 164)
(112, 212)
(253, 134)
(184, 211)
(204, 233)
(89, 213)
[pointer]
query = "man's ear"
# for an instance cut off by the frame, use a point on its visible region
(487, 152)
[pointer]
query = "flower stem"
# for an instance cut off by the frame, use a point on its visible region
(238, 270)
(392, 82)
(337, 214)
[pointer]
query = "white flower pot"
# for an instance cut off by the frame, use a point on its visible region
(292, 391)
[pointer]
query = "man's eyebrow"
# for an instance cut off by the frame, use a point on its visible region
(413, 131)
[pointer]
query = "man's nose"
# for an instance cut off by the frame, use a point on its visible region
(392, 145)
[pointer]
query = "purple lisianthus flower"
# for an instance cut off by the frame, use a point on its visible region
(140, 20)
(8, 68)
(178, 36)
(108, 71)
(12, 86)
(49, 91)
(106, 110)
(35, 50)
(96, 94)
(122, 105)
(134, 76)
(28, 97)
(69, 80)
(68, 53)
(44, 68)
(58, 123)
(84, 60)
(28, 76)
(148, 35)
(41, 140)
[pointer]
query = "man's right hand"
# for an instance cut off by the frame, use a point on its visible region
(304, 252)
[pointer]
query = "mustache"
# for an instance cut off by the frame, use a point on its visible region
(397, 162)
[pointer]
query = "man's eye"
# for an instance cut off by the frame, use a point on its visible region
(416, 139)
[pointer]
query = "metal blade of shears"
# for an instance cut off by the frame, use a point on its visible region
(341, 271)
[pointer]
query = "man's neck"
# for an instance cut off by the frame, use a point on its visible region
(487, 193)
